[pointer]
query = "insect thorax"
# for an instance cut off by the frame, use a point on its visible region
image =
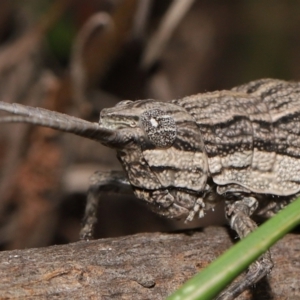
(251, 140)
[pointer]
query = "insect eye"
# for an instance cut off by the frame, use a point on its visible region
(124, 102)
(159, 126)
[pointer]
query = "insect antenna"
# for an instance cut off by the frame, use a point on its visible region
(55, 120)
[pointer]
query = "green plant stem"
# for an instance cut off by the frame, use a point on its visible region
(211, 281)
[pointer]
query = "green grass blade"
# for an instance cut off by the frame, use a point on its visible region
(212, 280)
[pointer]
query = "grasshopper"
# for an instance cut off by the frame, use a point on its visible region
(240, 146)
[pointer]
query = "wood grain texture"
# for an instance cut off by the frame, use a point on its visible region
(142, 266)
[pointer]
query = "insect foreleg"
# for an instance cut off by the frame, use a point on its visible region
(113, 181)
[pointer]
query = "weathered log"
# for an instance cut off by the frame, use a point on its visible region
(142, 266)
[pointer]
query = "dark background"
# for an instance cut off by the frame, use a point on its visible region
(57, 55)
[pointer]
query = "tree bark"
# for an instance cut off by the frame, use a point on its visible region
(142, 266)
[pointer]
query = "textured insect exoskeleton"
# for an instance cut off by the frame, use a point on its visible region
(162, 152)
(182, 157)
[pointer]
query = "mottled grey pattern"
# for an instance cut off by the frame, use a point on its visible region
(248, 137)
(160, 127)
(251, 135)
(182, 157)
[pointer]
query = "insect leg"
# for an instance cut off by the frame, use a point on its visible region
(199, 206)
(239, 213)
(113, 181)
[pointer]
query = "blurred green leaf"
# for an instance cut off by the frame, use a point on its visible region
(61, 37)
(211, 281)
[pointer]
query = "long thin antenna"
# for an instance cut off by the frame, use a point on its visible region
(55, 120)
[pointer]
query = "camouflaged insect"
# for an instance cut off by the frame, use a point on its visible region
(182, 157)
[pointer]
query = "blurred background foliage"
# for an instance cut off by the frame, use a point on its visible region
(78, 57)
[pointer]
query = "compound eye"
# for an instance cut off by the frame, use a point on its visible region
(160, 127)
(124, 102)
